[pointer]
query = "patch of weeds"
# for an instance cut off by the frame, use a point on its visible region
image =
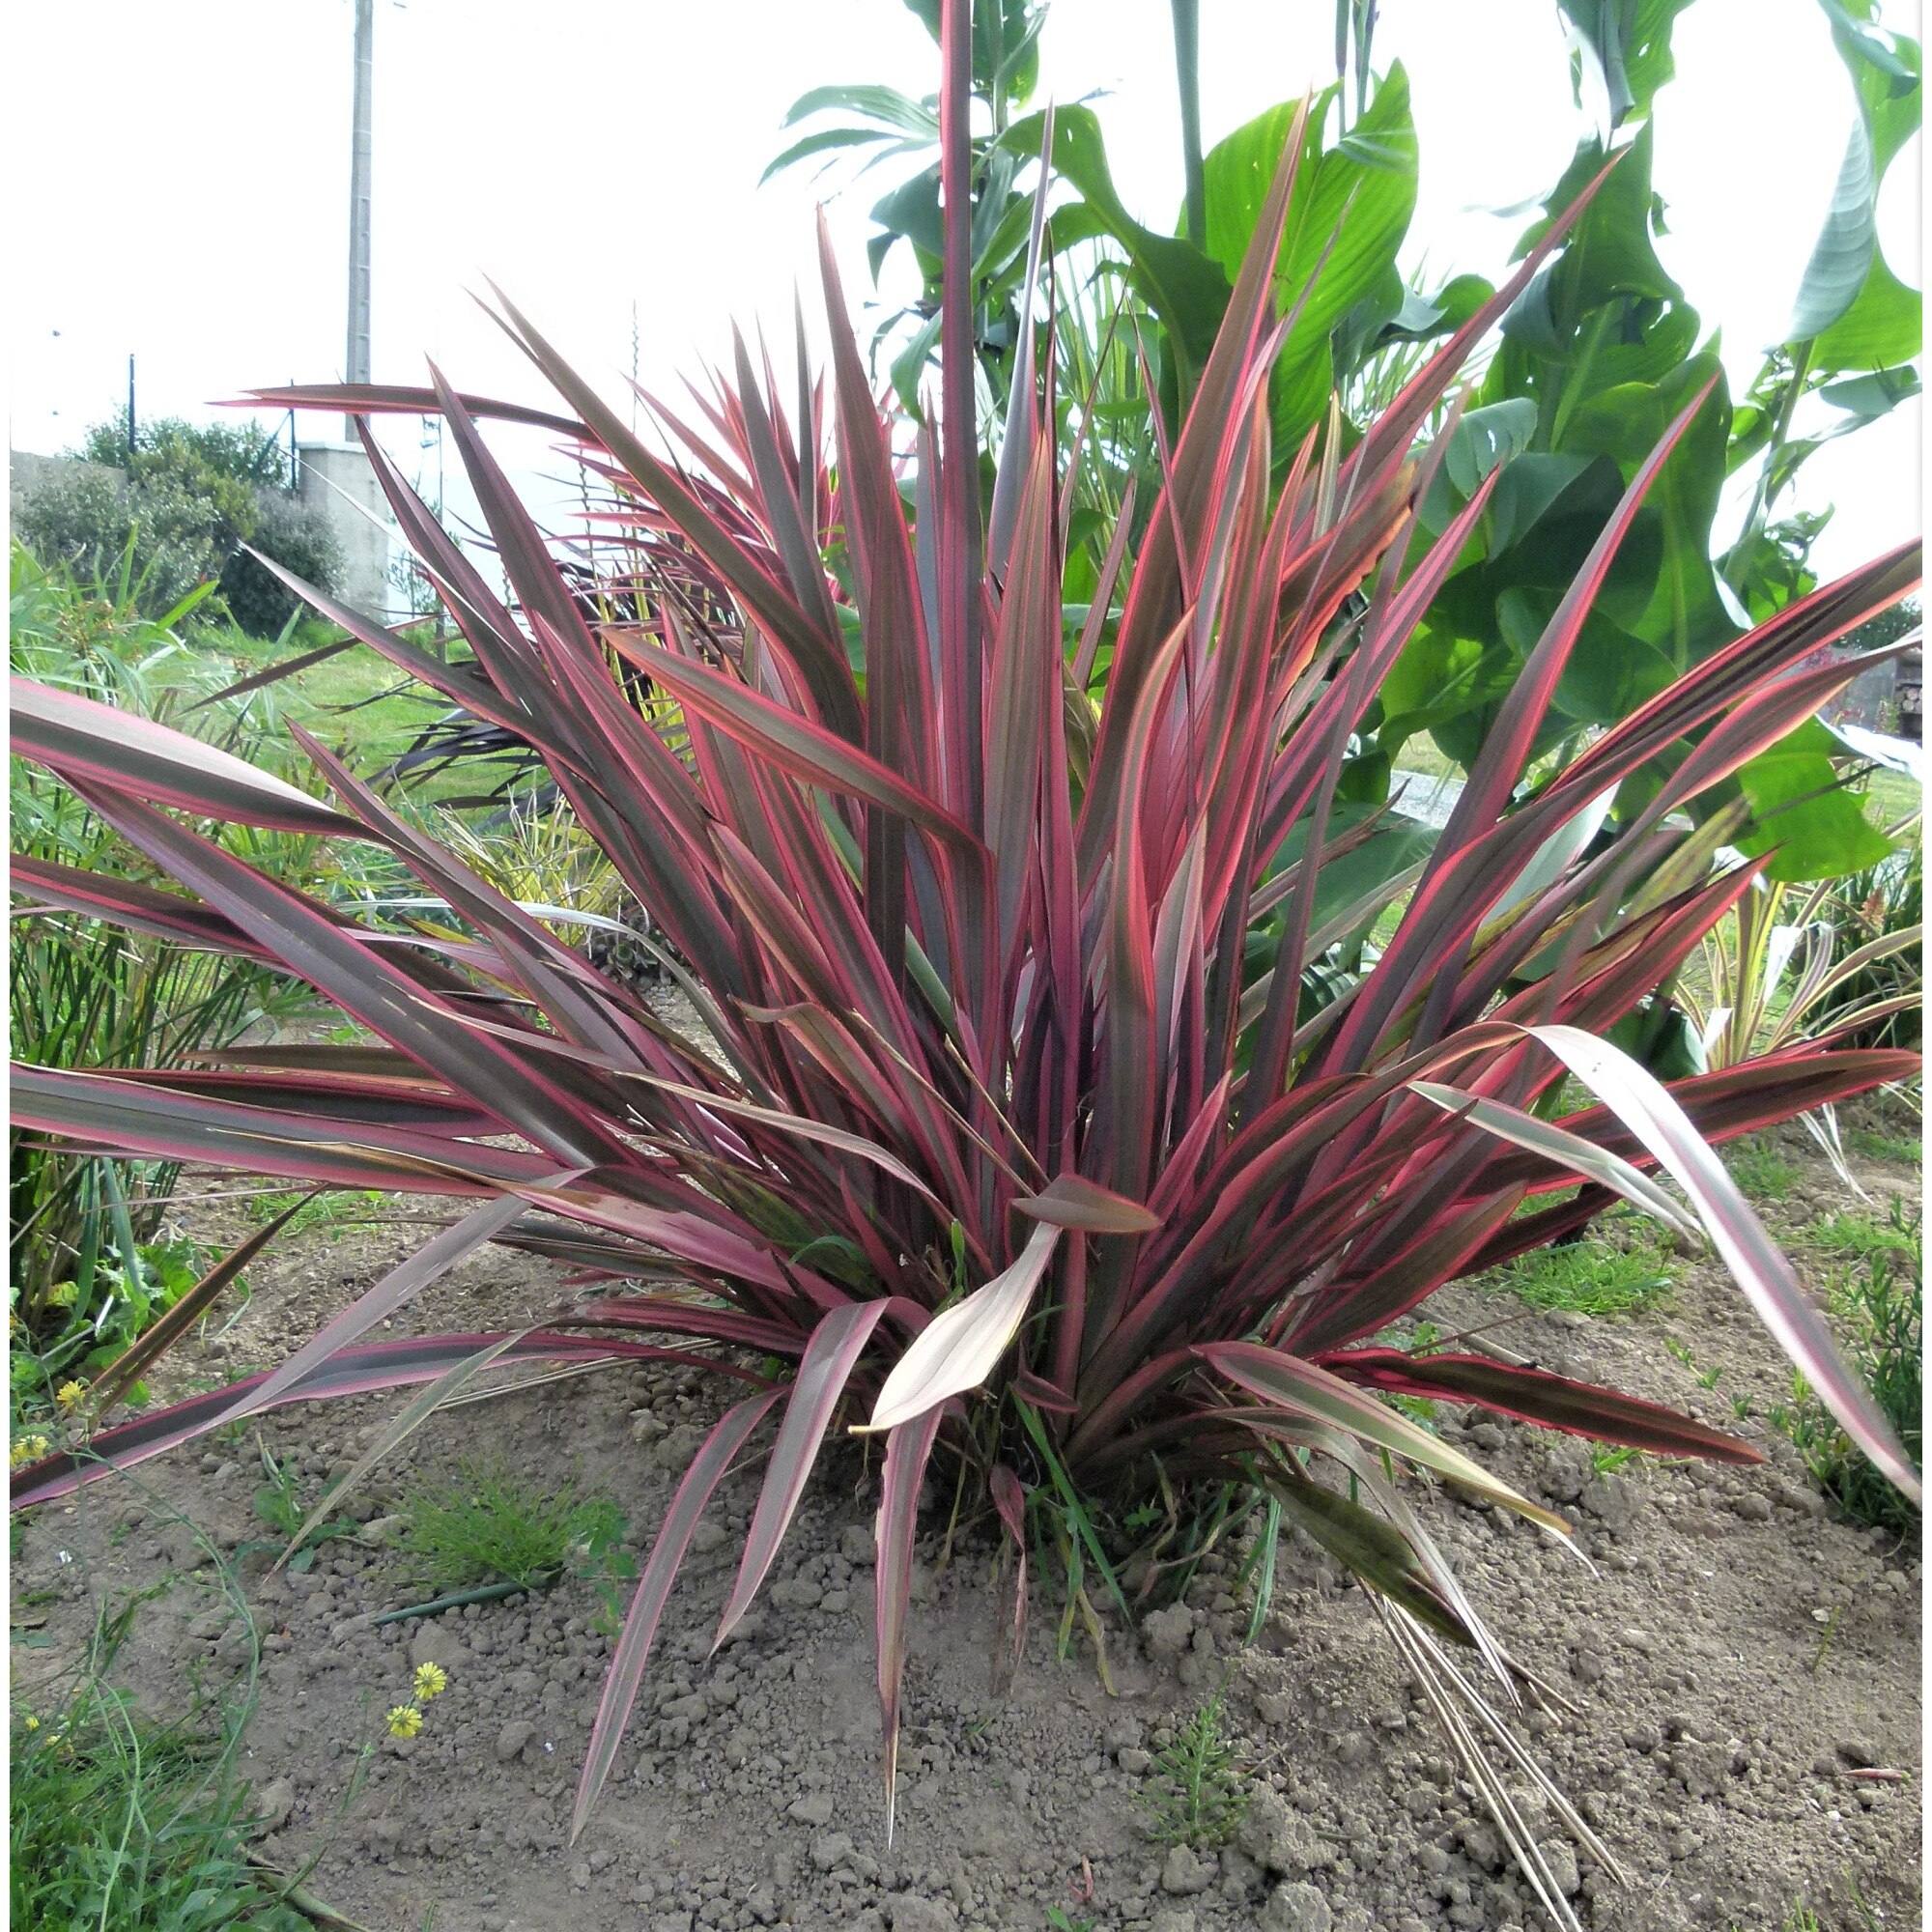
(1759, 1169)
(118, 1823)
(122, 1823)
(489, 1528)
(1196, 1795)
(1607, 1459)
(1881, 1305)
(1894, 1148)
(334, 1210)
(1589, 1278)
(84, 1325)
(279, 1503)
(1864, 1237)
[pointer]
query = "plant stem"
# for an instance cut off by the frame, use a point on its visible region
(1187, 73)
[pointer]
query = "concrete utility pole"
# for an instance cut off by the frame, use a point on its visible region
(335, 477)
(355, 367)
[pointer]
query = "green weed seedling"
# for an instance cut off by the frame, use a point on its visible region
(1196, 1796)
(1607, 1459)
(1760, 1169)
(279, 1503)
(1589, 1278)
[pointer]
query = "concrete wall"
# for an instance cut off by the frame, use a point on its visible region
(336, 480)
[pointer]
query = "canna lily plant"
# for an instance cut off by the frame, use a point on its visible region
(994, 1133)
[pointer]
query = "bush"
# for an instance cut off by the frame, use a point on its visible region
(86, 521)
(87, 1269)
(193, 495)
(301, 540)
(980, 1134)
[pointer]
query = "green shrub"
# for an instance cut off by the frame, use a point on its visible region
(86, 520)
(193, 495)
(300, 541)
(88, 1271)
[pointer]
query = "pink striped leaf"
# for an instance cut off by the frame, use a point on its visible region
(1645, 1106)
(816, 1389)
(707, 1471)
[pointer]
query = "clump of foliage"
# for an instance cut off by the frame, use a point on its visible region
(1785, 965)
(490, 1526)
(1880, 1301)
(995, 1133)
(1589, 1277)
(1882, 910)
(193, 495)
(1195, 1793)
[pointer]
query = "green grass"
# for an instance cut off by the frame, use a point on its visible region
(120, 1822)
(334, 1209)
(1589, 1278)
(1760, 1169)
(1879, 1301)
(354, 699)
(487, 1528)
(1893, 796)
(1896, 1147)
(1864, 1237)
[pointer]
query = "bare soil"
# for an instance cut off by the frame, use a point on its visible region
(1733, 1650)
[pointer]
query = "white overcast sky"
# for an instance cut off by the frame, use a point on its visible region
(179, 180)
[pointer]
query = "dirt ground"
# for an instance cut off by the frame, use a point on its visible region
(1731, 1647)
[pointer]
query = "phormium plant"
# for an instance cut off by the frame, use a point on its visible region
(1000, 1149)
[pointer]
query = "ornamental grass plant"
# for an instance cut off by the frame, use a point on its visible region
(996, 1137)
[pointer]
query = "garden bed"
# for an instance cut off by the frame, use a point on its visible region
(1732, 1649)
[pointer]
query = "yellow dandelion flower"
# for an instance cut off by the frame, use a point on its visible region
(71, 1395)
(28, 1449)
(429, 1681)
(405, 1721)
(32, 1722)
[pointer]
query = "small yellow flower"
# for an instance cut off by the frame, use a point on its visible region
(32, 1722)
(429, 1681)
(71, 1395)
(28, 1449)
(405, 1721)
